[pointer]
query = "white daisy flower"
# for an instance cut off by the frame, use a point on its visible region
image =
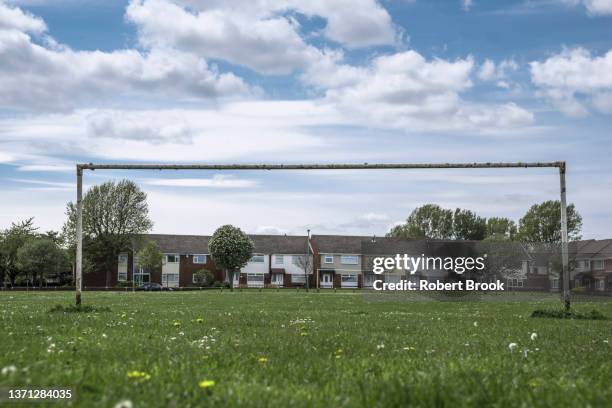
(512, 346)
(534, 336)
(8, 370)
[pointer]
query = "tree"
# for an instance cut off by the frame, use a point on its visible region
(231, 249)
(115, 215)
(542, 223)
(501, 229)
(428, 221)
(13, 239)
(150, 257)
(40, 258)
(203, 277)
(468, 226)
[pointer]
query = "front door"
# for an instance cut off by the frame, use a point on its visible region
(327, 280)
(277, 279)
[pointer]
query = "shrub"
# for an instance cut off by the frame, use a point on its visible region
(203, 277)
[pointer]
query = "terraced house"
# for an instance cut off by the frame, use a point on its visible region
(341, 261)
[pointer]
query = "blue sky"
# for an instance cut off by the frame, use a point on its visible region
(210, 81)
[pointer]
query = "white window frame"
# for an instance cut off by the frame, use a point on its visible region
(344, 259)
(122, 277)
(601, 284)
(554, 284)
(596, 262)
(199, 255)
(351, 278)
(328, 259)
(177, 256)
(122, 258)
(279, 259)
(260, 277)
(298, 278)
(258, 256)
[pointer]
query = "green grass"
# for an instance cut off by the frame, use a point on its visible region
(305, 349)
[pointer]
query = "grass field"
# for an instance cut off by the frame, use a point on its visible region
(285, 348)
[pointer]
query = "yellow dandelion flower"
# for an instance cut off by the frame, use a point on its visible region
(303, 334)
(263, 359)
(176, 324)
(200, 320)
(206, 384)
(138, 376)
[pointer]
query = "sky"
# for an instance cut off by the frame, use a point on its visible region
(320, 81)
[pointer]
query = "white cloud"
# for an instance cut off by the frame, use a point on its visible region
(575, 82)
(594, 7)
(217, 181)
(261, 35)
(467, 4)
(54, 77)
(13, 18)
(404, 90)
(498, 73)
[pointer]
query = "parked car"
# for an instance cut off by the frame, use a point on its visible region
(151, 286)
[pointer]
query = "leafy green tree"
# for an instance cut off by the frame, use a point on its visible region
(501, 229)
(115, 215)
(231, 249)
(468, 226)
(12, 239)
(203, 277)
(40, 258)
(428, 221)
(542, 223)
(150, 257)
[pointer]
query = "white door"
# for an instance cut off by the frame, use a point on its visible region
(277, 279)
(327, 280)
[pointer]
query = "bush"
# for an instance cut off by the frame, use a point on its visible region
(578, 290)
(219, 284)
(124, 284)
(203, 277)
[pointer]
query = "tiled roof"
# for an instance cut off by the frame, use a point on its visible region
(198, 244)
(339, 244)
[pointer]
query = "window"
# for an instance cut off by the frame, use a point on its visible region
(601, 284)
(583, 264)
(298, 279)
(515, 283)
(172, 258)
(349, 278)
(328, 259)
(258, 258)
(122, 277)
(170, 278)
(279, 259)
(199, 259)
(123, 258)
(349, 259)
(598, 264)
(255, 277)
(554, 284)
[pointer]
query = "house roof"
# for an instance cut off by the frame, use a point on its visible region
(198, 244)
(391, 246)
(279, 244)
(339, 244)
(591, 248)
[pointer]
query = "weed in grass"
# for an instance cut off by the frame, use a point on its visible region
(78, 309)
(564, 314)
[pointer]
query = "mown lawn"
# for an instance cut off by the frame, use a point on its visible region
(304, 349)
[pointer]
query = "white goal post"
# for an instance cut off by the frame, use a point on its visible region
(565, 294)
